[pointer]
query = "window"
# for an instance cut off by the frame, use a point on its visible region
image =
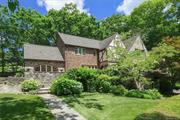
(49, 68)
(80, 51)
(55, 69)
(37, 68)
(43, 68)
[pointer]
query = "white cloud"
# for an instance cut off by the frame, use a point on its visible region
(58, 4)
(128, 5)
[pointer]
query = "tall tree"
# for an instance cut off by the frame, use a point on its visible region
(152, 19)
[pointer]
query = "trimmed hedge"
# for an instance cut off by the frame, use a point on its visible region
(65, 86)
(30, 85)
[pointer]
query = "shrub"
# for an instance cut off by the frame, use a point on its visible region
(84, 75)
(119, 90)
(103, 86)
(146, 94)
(64, 86)
(104, 77)
(30, 85)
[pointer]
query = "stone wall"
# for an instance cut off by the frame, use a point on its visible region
(44, 78)
(11, 80)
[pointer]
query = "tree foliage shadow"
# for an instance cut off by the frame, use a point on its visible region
(155, 116)
(87, 102)
(12, 108)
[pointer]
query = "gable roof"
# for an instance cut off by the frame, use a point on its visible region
(105, 43)
(129, 42)
(79, 41)
(85, 42)
(39, 52)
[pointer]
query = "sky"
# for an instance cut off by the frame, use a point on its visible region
(98, 8)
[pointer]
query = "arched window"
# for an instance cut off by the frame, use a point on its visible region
(37, 68)
(49, 68)
(55, 69)
(43, 68)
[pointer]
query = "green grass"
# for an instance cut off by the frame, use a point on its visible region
(95, 106)
(23, 107)
(168, 109)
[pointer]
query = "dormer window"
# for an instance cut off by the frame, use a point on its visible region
(80, 51)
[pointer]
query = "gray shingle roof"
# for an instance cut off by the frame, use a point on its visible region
(85, 42)
(39, 52)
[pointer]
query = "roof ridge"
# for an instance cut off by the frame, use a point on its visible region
(80, 37)
(40, 45)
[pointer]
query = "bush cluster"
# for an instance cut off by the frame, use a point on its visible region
(84, 75)
(146, 94)
(65, 86)
(30, 85)
(119, 90)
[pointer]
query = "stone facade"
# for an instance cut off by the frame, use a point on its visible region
(45, 77)
(73, 60)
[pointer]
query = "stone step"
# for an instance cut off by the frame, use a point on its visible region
(43, 92)
(45, 88)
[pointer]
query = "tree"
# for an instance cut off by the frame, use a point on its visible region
(70, 20)
(116, 24)
(153, 21)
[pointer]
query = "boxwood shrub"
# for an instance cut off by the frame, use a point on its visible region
(146, 94)
(30, 85)
(65, 86)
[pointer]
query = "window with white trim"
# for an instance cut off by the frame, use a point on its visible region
(80, 51)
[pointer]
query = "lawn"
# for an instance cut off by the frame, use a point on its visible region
(23, 107)
(95, 106)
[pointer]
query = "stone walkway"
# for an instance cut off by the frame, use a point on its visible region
(60, 109)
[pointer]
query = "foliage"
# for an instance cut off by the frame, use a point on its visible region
(23, 107)
(64, 86)
(29, 85)
(146, 94)
(119, 90)
(144, 20)
(84, 75)
(102, 86)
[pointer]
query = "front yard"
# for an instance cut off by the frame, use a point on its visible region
(23, 107)
(95, 106)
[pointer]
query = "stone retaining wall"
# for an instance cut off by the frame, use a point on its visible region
(44, 78)
(11, 80)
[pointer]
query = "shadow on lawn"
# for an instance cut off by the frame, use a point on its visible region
(12, 108)
(89, 103)
(155, 116)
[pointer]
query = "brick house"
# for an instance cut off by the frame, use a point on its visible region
(73, 51)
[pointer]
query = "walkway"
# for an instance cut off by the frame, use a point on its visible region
(60, 109)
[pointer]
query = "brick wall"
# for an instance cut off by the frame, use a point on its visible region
(73, 61)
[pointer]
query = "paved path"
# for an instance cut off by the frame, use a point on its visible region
(60, 109)
(176, 91)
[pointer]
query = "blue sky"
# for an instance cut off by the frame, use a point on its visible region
(98, 8)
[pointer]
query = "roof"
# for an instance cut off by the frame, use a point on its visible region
(129, 42)
(85, 42)
(39, 52)
(105, 43)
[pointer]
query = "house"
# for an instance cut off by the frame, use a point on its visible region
(73, 51)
